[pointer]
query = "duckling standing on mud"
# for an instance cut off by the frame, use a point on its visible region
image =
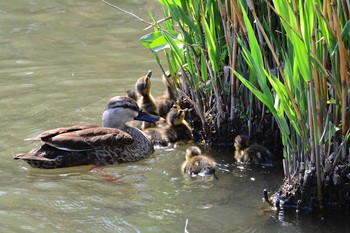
(255, 154)
(197, 164)
(168, 99)
(176, 130)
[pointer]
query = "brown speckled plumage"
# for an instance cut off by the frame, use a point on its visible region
(78, 145)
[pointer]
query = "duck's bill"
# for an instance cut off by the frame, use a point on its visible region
(144, 116)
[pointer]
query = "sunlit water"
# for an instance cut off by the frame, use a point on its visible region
(60, 62)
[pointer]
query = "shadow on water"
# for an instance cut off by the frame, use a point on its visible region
(60, 62)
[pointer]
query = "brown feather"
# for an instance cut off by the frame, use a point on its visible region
(61, 130)
(89, 138)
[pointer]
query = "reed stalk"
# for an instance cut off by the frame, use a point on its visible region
(290, 55)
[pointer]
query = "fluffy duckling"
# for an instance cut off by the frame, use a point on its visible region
(255, 154)
(146, 100)
(168, 99)
(132, 94)
(177, 129)
(197, 164)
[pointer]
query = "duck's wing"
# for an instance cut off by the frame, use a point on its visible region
(77, 138)
(61, 130)
(90, 138)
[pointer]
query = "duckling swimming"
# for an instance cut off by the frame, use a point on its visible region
(176, 130)
(197, 164)
(85, 144)
(168, 99)
(255, 154)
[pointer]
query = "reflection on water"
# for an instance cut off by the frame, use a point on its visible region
(60, 62)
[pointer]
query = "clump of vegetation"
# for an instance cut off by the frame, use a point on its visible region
(198, 39)
(292, 58)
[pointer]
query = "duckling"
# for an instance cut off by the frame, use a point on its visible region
(177, 129)
(255, 154)
(115, 142)
(146, 100)
(197, 164)
(168, 99)
(132, 94)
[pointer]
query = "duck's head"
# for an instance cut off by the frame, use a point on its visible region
(176, 116)
(121, 109)
(192, 151)
(241, 142)
(143, 84)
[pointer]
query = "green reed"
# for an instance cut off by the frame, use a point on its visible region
(193, 41)
(311, 89)
(292, 56)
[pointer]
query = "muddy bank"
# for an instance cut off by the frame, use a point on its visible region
(300, 191)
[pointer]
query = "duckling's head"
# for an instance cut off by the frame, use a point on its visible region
(176, 116)
(121, 109)
(169, 80)
(241, 142)
(192, 151)
(143, 84)
(132, 94)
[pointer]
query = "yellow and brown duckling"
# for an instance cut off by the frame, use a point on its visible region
(251, 153)
(85, 144)
(197, 164)
(168, 99)
(177, 129)
(146, 100)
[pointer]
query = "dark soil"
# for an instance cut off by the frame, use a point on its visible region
(300, 191)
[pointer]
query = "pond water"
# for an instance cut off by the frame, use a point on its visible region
(60, 62)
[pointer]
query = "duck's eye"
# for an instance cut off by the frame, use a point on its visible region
(124, 106)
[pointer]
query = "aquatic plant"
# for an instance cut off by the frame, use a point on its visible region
(292, 56)
(310, 91)
(193, 40)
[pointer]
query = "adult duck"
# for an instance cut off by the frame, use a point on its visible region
(177, 129)
(114, 142)
(197, 164)
(245, 152)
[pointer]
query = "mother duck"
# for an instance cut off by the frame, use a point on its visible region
(114, 142)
